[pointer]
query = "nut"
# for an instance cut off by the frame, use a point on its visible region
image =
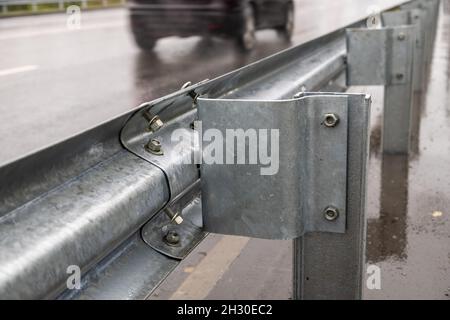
(330, 120)
(174, 216)
(154, 146)
(155, 124)
(178, 220)
(399, 76)
(172, 238)
(331, 213)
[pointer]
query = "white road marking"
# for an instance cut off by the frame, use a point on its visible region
(201, 281)
(50, 31)
(6, 72)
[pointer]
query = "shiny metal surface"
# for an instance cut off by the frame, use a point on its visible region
(129, 272)
(77, 223)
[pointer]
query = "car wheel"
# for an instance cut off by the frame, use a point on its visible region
(145, 43)
(142, 38)
(247, 38)
(288, 28)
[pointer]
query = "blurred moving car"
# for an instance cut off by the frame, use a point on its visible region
(154, 19)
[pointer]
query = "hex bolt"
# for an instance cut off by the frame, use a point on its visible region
(174, 216)
(330, 120)
(331, 213)
(154, 146)
(401, 36)
(192, 93)
(154, 122)
(399, 76)
(172, 238)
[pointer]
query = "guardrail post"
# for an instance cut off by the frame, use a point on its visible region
(5, 8)
(429, 10)
(432, 9)
(330, 265)
(34, 5)
(417, 18)
(385, 57)
(398, 96)
(84, 4)
(61, 4)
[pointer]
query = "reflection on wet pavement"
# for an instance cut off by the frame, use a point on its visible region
(193, 59)
(386, 236)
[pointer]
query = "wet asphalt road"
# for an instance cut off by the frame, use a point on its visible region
(55, 83)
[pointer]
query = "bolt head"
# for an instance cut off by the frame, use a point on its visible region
(187, 84)
(330, 120)
(172, 238)
(401, 36)
(154, 146)
(155, 124)
(331, 213)
(399, 76)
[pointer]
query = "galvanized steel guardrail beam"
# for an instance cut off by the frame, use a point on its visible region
(90, 202)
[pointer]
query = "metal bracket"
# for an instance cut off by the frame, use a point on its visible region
(414, 17)
(380, 56)
(386, 57)
(308, 190)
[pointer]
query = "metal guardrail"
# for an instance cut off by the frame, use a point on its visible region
(7, 4)
(101, 201)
